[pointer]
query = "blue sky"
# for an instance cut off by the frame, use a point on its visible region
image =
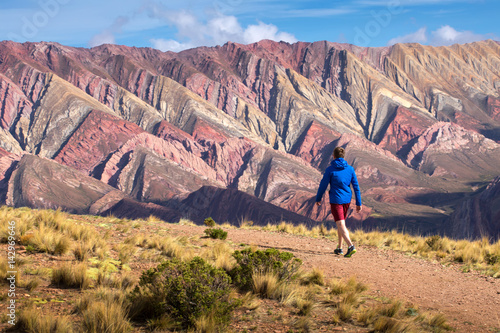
(179, 24)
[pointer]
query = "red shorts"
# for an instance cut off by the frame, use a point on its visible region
(339, 211)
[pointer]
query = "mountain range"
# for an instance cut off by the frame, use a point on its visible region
(244, 132)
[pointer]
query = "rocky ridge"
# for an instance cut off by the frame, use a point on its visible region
(162, 132)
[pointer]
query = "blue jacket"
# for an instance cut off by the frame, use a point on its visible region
(340, 176)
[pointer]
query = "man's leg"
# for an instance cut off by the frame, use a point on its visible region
(343, 232)
(339, 232)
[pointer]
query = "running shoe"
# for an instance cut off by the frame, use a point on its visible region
(338, 251)
(350, 251)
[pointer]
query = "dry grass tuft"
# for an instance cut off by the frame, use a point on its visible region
(305, 306)
(70, 276)
(207, 324)
(337, 287)
(103, 310)
(186, 222)
(345, 311)
(351, 298)
(163, 323)
(126, 252)
(249, 301)
(265, 284)
(220, 255)
(367, 316)
(389, 325)
(105, 317)
(47, 240)
(31, 284)
(123, 281)
(316, 276)
(82, 251)
(391, 310)
(30, 321)
(304, 324)
(172, 248)
(438, 323)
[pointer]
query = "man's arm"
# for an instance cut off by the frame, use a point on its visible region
(357, 192)
(322, 186)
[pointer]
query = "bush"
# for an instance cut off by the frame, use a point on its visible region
(283, 264)
(492, 259)
(209, 222)
(216, 233)
(437, 243)
(185, 291)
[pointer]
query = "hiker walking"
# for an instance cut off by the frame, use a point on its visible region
(340, 175)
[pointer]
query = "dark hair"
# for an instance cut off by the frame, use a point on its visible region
(339, 152)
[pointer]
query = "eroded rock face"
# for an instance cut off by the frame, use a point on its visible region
(14, 102)
(233, 205)
(479, 215)
(154, 133)
(494, 107)
(445, 149)
(42, 183)
(404, 127)
(8, 163)
(316, 145)
(99, 135)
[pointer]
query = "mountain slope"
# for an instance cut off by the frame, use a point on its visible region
(420, 125)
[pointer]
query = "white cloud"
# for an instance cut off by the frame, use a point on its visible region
(419, 36)
(105, 37)
(169, 45)
(218, 30)
(223, 28)
(447, 35)
(108, 35)
(255, 33)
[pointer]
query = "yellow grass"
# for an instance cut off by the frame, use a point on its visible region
(481, 254)
(104, 303)
(249, 301)
(126, 252)
(219, 254)
(29, 320)
(265, 284)
(71, 276)
(207, 324)
(108, 316)
(316, 276)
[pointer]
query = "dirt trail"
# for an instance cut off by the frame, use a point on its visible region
(470, 302)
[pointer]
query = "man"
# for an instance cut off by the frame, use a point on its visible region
(340, 176)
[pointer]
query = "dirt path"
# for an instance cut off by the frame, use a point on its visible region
(470, 302)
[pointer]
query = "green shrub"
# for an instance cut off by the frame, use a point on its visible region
(209, 222)
(492, 259)
(185, 291)
(216, 233)
(437, 243)
(283, 264)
